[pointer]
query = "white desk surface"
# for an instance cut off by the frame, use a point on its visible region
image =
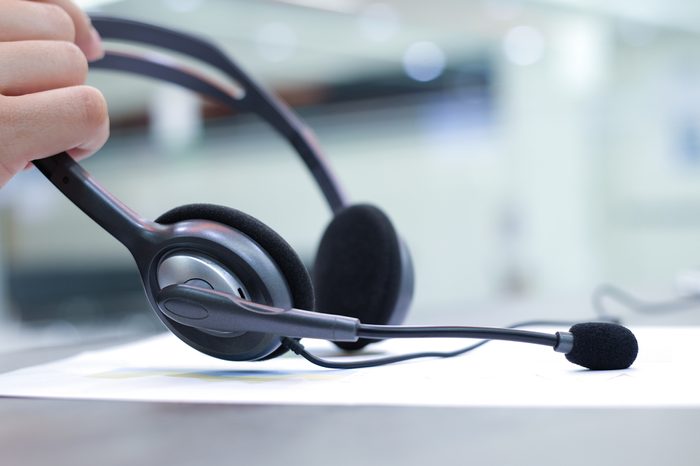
(162, 369)
(39, 432)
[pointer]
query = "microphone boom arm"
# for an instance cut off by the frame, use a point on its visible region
(224, 312)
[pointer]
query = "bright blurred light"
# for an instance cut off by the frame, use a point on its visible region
(580, 54)
(176, 117)
(379, 22)
(276, 42)
(424, 61)
(523, 45)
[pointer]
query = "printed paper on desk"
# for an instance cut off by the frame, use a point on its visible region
(499, 374)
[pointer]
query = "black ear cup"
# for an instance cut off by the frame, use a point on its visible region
(363, 269)
(293, 270)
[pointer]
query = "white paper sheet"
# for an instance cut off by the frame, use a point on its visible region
(667, 373)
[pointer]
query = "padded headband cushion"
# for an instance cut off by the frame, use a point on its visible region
(281, 252)
(358, 267)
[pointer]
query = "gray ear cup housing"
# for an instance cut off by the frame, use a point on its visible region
(363, 269)
(257, 247)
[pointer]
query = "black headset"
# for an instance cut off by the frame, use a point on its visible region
(230, 287)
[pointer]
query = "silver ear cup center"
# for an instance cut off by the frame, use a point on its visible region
(202, 272)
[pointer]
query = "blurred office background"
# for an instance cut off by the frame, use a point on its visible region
(527, 151)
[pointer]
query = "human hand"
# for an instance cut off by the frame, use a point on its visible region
(45, 109)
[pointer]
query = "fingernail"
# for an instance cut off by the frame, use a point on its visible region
(91, 45)
(96, 49)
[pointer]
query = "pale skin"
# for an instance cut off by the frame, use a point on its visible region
(45, 108)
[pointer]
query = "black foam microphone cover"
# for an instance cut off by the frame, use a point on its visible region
(602, 346)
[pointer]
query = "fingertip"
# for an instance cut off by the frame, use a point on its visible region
(92, 145)
(92, 45)
(79, 153)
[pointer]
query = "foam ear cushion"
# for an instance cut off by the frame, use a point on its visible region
(357, 271)
(280, 251)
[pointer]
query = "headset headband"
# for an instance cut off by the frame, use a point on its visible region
(95, 201)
